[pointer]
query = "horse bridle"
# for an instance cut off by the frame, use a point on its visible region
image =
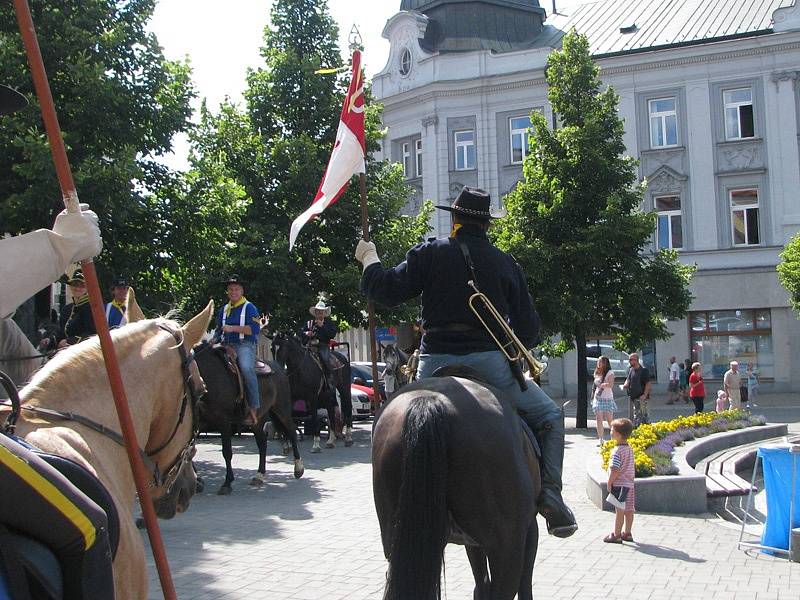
(191, 394)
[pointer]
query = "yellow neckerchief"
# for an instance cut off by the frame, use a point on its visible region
(82, 300)
(120, 305)
(229, 307)
(456, 227)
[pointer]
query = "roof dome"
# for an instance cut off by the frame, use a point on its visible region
(467, 25)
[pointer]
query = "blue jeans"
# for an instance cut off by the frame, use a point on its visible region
(246, 357)
(493, 367)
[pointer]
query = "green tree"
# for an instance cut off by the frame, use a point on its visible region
(277, 150)
(575, 226)
(119, 103)
(789, 270)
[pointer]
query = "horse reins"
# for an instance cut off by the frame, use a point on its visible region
(189, 394)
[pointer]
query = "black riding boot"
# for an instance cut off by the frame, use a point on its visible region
(560, 520)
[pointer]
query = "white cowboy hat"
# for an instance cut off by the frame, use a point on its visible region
(320, 306)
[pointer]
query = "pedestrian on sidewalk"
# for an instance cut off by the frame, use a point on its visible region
(603, 403)
(674, 381)
(621, 476)
(722, 401)
(752, 384)
(732, 382)
(697, 389)
(683, 383)
(638, 385)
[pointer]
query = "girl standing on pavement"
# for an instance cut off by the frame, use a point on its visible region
(697, 389)
(603, 403)
(621, 474)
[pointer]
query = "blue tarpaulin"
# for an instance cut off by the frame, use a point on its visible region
(777, 464)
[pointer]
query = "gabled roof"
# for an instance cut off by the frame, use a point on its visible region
(623, 26)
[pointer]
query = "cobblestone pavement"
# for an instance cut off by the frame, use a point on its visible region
(318, 538)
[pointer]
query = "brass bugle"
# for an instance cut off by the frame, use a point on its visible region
(514, 350)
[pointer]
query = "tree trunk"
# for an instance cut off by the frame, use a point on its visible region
(583, 404)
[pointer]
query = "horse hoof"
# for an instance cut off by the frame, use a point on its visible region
(316, 450)
(199, 486)
(258, 480)
(298, 472)
(348, 442)
(225, 490)
(330, 445)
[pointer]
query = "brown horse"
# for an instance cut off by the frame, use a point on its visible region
(451, 463)
(157, 382)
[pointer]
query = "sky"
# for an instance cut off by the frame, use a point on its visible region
(222, 39)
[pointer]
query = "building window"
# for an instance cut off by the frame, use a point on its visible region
(663, 123)
(465, 150)
(405, 62)
(720, 336)
(406, 159)
(519, 127)
(739, 122)
(418, 157)
(744, 217)
(669, 231)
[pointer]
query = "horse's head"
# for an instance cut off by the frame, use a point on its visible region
(178, 424)
(280, 347)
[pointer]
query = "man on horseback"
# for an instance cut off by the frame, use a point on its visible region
(238, 324)
(439, 271)
(37, 500)
(80, 324)
(319, 332)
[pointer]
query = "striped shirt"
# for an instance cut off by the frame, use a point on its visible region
(622, 461)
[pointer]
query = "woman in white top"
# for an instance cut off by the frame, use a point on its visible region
(603, 403)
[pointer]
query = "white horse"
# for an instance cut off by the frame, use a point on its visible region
(19, 359)
(156, 377)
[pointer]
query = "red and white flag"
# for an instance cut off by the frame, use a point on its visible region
(347, 158)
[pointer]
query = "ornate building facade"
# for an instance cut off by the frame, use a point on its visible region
(709, 94)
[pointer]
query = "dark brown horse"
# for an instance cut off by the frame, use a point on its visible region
(451, 463)
(220, 411)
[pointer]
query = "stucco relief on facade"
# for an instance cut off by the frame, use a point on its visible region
(672, 158)
(741, 157)
(665, 179)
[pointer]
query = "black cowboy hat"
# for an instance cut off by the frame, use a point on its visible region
(76, 277)
(10, 100)
(120, 282)
(235, 278)
(473, 202)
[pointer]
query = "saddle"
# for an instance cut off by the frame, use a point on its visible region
(228, 356)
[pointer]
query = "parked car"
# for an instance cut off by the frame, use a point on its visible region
(362, 406)
(361, 374)
(617, 358)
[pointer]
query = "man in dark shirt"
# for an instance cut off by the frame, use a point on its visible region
(80, 324)
(321, 330)
(637, 384)
(438, 270)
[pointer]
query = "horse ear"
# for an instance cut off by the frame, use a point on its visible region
(193, 330)
(134, 310)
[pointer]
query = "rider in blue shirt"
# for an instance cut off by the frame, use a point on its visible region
(238, 324)
(115, 310)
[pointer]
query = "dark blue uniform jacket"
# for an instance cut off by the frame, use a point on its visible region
(437, 270)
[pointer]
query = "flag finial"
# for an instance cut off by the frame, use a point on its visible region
(356, 43)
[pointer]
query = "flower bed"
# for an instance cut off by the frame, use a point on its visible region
(653, 444)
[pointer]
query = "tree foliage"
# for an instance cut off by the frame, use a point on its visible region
(789, 270)
(276, 150)
(119, 103)
(575, 225)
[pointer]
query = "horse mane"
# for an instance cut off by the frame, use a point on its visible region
(67, 366)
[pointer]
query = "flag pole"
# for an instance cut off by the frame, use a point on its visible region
(70, 196)
(355, 44)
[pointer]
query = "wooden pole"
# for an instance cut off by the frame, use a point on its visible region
(362, 180)
(72, 204)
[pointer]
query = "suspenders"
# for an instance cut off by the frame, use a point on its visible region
(242, 316)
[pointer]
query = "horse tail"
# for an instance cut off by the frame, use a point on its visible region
(421, 521)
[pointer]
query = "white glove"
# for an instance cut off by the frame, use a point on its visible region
(78, 236)
(366, 254)
(32, 261)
